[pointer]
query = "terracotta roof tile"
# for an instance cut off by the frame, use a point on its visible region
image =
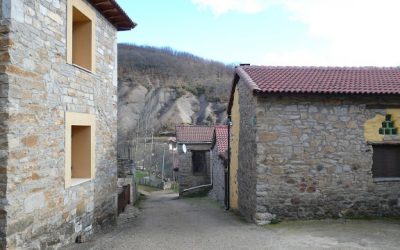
(221, 132)
(194, 134)
(327, 80)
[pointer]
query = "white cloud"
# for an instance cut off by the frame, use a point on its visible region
(358, 32)
(219, 7)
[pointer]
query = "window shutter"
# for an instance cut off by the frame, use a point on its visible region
(386, 161)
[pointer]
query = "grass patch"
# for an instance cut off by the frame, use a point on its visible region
(148, 188)
(198, 193)
(139, 200)
(205, 200)
(369, 217)
(139, 174)
(239, 217)
(324, 223)
(175, 187)
(275, 221)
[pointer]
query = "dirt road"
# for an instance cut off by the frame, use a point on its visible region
(166, 222)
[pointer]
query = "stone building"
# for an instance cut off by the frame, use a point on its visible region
(219, 163)
(314, 142)
(194, 145)
(58, 108)
(203, 159)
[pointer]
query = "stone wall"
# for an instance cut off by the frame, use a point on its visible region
(246, 174)
(313, 160)
(4, 60)
(129, 180)
(218, 164)
(42, 87)
(125, 167)
(186, 177)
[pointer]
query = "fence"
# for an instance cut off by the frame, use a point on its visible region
(151, 155)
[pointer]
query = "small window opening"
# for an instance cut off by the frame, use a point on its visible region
(386, 161)
(199, 162)
(81, 40)
(81, 152)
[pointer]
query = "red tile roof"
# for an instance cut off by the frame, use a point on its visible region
(324, 80)
(114, 14)
(221, 132)
(194, 134)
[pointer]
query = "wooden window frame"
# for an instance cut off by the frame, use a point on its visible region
(78, 119)
(384, 167)
(88, 12)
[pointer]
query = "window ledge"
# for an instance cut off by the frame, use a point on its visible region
(82, 68)
(386, 179)
(78, 181)
(391, 142)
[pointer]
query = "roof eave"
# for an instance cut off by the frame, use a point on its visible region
(270, 93)
(124, 25)
(247, 79)
(235, 81)
(241, 74)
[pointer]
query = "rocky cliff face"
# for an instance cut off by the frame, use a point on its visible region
(157, 93)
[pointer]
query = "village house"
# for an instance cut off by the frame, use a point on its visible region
(58, 108)
(203, 160)
(314, 142)
(219, 163)
(194, 146)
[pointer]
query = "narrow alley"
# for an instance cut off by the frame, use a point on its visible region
(167, 222)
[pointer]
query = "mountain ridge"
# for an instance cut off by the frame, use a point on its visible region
(159, 88)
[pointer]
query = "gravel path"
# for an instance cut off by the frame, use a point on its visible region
(166, 222)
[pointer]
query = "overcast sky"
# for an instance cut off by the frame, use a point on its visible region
(272, 32)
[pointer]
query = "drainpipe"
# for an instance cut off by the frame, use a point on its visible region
(211, 173)
(228, 168)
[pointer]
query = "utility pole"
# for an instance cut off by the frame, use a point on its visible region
(137, 139)
(145, 144)
(151, 149)
(162, 169)
(173, 162)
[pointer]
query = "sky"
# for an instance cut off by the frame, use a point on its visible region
(271, 32)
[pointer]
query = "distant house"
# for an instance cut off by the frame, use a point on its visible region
(58, 126)
(203, 160)
(194, 155)
(219, 163)
(314, 142)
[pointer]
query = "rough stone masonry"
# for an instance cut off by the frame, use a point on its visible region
(188, 179)
(37, 88)
(306, 156)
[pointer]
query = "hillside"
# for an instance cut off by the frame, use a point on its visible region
(159, 88)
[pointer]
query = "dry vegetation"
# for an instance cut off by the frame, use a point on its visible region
(164, 67)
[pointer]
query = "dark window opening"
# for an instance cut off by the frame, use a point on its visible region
(386, 161)
(199, 162)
